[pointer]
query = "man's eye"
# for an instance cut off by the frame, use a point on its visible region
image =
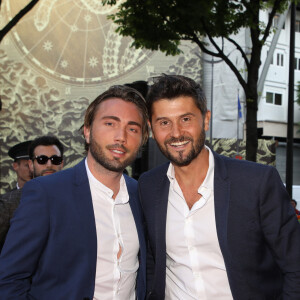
(108, 123)
(186, 119)
(133, 130)
(164, 123)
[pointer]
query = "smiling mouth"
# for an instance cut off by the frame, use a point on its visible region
(117, 151)
(179, 144)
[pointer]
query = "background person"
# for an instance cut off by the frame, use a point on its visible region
(19, 153)
(46, 157)
(294, 204)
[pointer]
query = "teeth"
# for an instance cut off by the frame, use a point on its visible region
(179, 143)
(117, 151)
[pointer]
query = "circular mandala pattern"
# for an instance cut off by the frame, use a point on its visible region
(74, 42)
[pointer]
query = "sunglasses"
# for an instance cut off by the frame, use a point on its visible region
(43, 159)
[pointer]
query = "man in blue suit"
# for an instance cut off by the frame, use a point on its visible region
(78, 234)
(218, 228)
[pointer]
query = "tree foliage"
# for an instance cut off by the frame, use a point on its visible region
(162, 25)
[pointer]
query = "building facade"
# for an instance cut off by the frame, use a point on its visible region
(223, 91)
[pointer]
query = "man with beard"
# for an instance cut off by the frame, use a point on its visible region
(218, 228)
(78, 234)
(45, 156)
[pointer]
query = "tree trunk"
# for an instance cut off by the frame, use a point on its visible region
(252, 97)
(251, 123)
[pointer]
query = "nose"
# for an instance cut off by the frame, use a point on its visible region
(49, 163)
(120, 135)
(176, 130)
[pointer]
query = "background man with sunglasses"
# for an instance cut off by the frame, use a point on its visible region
(79, 233)
(45, 155)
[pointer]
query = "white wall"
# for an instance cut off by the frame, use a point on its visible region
(296, 194)
(277, 79)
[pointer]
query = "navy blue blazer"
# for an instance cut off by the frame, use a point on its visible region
(50, 250)
(257, 229)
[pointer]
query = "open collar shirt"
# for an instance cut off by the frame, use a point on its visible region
(116, 231)
(195, 265)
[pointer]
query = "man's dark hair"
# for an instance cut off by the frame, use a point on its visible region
(46, 140)
(173, 86)
(125, 93)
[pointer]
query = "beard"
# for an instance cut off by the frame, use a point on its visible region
(42, 173)
(114, 164)
(180, 160)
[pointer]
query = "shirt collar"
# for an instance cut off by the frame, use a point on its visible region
(122, 196)
(207, 186)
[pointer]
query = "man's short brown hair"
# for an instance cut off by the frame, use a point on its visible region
(125, 93)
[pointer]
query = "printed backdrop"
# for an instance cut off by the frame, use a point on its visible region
(56, 60)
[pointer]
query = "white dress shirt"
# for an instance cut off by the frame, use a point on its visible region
(116, 231)
(195, 265)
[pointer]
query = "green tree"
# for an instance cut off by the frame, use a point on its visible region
(16, 18)
(163, 24)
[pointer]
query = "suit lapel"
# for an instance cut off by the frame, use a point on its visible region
(161, 206)
(136, 211)
(160, 198)
(84, 206)
(139, 222)
(221, 199)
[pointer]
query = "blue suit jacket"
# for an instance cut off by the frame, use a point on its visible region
(50, 251)
(257, 229)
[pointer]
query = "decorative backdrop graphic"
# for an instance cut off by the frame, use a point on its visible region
(55, 30)
(35, 109)
(56, 60)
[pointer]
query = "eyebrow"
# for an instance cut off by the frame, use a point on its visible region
(181, 116)
(160, 118)
(119, 120)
